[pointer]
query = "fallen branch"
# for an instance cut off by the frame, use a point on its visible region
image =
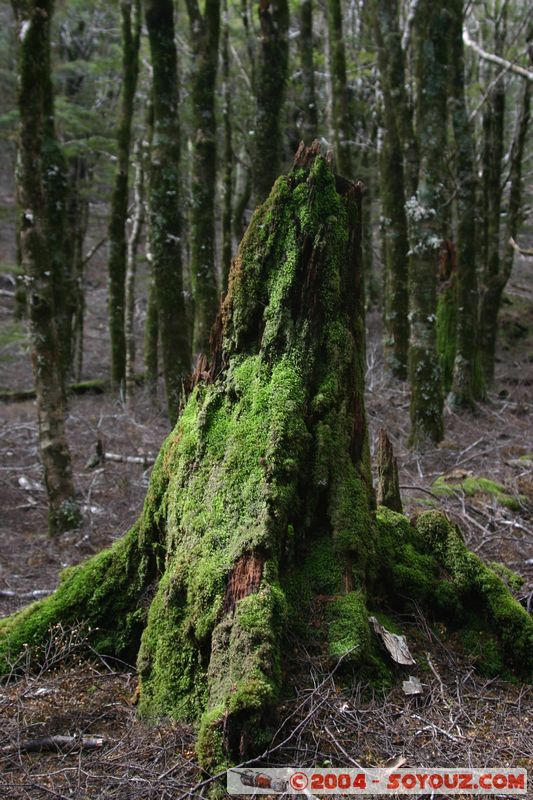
(494, 59)
(523, 251)
(100, 456)
(146, 461)
(96, 386)
(33, 595)
(93, 251)
(55, 744)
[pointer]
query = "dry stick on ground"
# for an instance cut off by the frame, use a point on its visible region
(55, 744)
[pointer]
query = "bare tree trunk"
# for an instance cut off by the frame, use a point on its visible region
(34, 21)
(466, 386)
(131, 32)
(131, 268)
(491, 163)
(163, 204)
(392, 183)
(342, 115)
(270, 79)
(205, 30)
(495, 282)
(309, 126)
(426, 222)
(227, 237)
(392, 72)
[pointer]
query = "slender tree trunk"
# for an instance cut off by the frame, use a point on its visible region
(260, 512)
(151, 334)
(342, 116)
(392, 73)
(309, 126)
(270, 79)
(55, 193)
(447, 311)
(227, 207)
(131, 268)
(492, 167)
(163, 204)
(495, 282)
(392, 178)
(243, 193)
(396, 300)
(36, 122)
(466, 375)
(131, 32)
(205, 29)
(425, 219)
(78, 174)
(151, 325)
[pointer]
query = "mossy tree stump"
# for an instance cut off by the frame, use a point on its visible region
(261, 505)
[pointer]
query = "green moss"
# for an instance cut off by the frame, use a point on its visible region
(446, 331)
(65, 518)
(511, 579)
(481, 588)
(105, 594)
(347, 627)
(210, 744)
(472, 485)
(11, 334)
(173, 678)
(485, 652)
(318, 572)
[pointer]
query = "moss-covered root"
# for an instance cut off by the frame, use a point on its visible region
(108, 595)
(481, 591)
(104, 595)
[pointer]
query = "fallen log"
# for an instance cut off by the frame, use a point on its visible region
(95, 386)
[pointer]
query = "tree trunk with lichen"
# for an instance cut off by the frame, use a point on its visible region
(227, 179)
(425, 215)
(205, 29)
(309, 111)
(392, 195)
(270, 77)
(447, 312)
(498, 269)
(36, 193)
(341, 105)
(260, 508)
(117, 265)
(164, 220)
(466, 386)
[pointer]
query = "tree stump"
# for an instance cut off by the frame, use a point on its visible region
(388, 488)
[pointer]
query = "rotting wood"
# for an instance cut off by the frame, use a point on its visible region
(388, 488)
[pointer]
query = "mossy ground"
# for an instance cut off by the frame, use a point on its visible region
(472, 485)
(11, 335)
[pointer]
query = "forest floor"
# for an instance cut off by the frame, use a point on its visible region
(461, 719)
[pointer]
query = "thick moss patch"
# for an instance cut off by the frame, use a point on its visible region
(472, 485)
